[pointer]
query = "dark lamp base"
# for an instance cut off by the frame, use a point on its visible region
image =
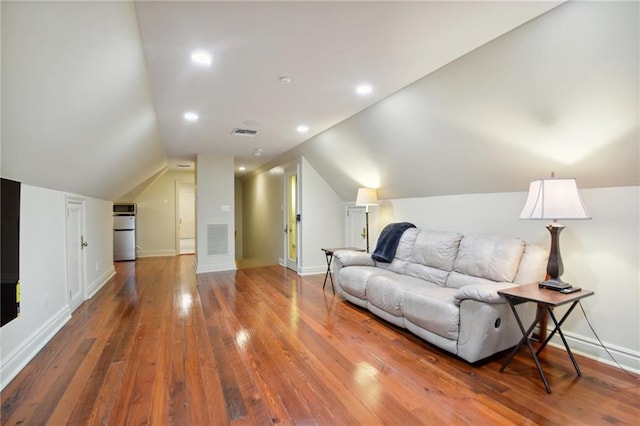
(554, 285)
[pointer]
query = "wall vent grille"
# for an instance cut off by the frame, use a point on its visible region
(217, 239)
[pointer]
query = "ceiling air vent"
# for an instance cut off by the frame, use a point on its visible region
(244, 132)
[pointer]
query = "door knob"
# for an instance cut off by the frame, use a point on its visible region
(83, 243)
(363, 233)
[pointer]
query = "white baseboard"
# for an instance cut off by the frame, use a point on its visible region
(590, 348)
(13, 363)
(216, 268)
(156, 253)
(312, 270)
(281, 262)
(99, 282)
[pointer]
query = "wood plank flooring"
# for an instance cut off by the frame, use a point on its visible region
(264, 346)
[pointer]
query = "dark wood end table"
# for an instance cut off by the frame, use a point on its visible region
(546, 300)
(328, 253)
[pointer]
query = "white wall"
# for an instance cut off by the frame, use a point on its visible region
(323, 220)
(156, 218)
(601, 254)
(214, 205)
(44, 308)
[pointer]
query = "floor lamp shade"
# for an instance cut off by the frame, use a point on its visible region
(554, 199)
(367, 197)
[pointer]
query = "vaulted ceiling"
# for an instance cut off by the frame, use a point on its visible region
(277, 65)
(93, 93)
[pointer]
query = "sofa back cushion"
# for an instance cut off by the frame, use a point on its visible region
(437, 249)
(491, 257)
(403, 252)
(433, 255)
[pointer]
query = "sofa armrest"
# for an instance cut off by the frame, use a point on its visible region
(487, 293)
(353, 258)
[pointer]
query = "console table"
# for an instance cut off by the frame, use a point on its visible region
(546, 301)
(328, 253)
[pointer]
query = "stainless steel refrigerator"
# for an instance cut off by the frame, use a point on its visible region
(124, 238)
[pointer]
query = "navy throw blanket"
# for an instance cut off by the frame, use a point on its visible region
(388, 241)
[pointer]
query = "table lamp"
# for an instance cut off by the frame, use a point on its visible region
(554, 199)
(366, 197)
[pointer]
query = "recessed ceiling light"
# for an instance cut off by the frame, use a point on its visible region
(284, 79)
(242, 168)
(201, 57)
(302, 128)
(191, 116)
(364, 89)
(257, 152)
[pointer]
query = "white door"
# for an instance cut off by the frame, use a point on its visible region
(75, 255)
(356, 236)
(291, 222)
(186, 226)
(187, 192)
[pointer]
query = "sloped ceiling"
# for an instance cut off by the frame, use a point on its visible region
(77, 112)
(93, 92)
(560, 93)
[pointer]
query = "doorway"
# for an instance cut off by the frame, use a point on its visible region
(291, 220)
(75, 244)
(186, 223)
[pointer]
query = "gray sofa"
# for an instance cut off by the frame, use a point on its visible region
(443, 287)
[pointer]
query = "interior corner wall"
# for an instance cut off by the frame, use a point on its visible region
(44, 307)
(263, 218)
(156, 215)
(214, 206)
(601, 254)
(322, 220)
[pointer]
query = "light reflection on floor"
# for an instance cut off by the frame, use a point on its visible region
(368, 385)
(253, 263)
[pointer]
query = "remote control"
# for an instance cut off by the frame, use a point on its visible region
(570, 290)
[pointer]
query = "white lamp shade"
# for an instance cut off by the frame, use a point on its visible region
(366, 197)
(554, 199)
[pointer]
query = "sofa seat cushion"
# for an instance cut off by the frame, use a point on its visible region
(354, 279)
(433, 308)
(386, 292)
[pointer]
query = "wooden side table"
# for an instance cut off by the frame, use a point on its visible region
(546, 300)
(328, 253)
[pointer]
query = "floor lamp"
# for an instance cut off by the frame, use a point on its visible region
(366, 197)
(554, 199)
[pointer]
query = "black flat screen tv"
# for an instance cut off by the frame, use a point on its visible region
(9, 249)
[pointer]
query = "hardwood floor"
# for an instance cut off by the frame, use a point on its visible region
(264, 346)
